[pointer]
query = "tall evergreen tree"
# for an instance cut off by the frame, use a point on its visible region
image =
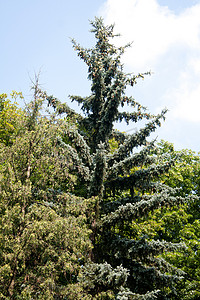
(123, 179)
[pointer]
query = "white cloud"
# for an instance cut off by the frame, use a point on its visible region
(153, 28)
(157, 33)
(144, 23)
(195, 65)
(187, 94)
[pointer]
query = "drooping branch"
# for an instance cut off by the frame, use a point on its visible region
(138, 159)
(141, 249)
(78, 164)
(141, 178)
(142, 208)
(136, 139)
(78, 142)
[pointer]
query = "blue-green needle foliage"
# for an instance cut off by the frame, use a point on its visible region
(119, 171)
(123, 176)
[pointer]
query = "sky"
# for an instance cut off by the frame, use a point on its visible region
(165, 34)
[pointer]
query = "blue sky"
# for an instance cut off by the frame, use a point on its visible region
(35, 36)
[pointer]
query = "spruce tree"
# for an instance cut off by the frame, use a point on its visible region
(122, 179)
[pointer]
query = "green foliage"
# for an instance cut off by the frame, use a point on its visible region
(10, 117)
(176, 225)
(44, 237)
(185, 174)
(88, 212)
(180, 224)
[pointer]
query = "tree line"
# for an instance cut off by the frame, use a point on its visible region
(87, 211)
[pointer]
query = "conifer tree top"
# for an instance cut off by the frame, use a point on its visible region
(108, 86)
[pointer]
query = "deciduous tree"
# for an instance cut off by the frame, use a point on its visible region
(44, 238)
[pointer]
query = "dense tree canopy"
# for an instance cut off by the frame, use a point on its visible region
(180, 224)
(185, 174)
(86, 211)
(10, 117)
(44, 237)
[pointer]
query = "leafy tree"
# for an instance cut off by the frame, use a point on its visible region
(44, 238)
(179, 224)
(185, 173)
(124, 265)
(10, 117)
(176, 225)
